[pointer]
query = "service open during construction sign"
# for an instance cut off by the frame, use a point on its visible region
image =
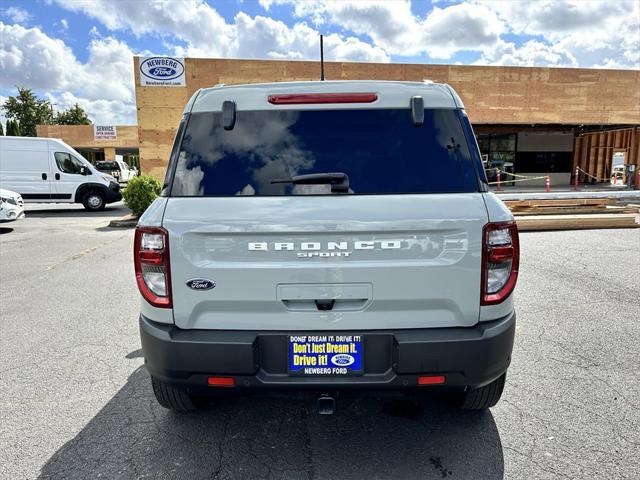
(162, 71)
(105, 132)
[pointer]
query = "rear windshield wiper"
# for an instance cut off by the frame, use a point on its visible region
(339, 181)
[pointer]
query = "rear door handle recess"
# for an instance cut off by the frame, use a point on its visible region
(44, 176)
(325, 297)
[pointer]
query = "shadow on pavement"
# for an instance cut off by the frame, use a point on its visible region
(262, 437)
(76, 211)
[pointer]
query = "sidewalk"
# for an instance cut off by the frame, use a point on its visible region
(600, 187)
(521, 192)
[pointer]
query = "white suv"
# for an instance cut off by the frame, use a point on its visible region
(326, 236)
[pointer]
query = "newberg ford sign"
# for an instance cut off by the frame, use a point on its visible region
(162, 71)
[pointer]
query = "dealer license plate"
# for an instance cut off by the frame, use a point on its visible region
(317, 355)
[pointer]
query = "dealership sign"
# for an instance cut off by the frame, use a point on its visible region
(104, 132)
(162, 72)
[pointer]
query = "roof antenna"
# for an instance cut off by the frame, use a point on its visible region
(321, 58)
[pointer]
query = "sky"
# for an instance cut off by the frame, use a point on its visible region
(81, 51)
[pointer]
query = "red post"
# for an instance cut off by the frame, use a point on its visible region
(498, 178)
(548, 184)
(575, 180)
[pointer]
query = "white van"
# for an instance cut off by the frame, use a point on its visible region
(49, 170)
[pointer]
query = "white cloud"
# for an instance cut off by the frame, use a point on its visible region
(65, 24)
(205, 32)
(594, 33)
(393, 27)
(17, 14)
(556, 18)
(276, 40)
(565, 32)
(30, 58)
(532, 53)
(100, 111)
(463, 27)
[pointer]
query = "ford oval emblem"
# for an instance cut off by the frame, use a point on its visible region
(200, 284)
(342, 360)
(161, 68)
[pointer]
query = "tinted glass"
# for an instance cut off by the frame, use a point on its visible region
(380, 151)
(68, 163)
(544, 162)
(107, 166)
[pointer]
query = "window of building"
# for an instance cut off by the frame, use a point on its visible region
(499, 150)
(544, 162)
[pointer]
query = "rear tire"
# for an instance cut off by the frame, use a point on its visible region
(172, 398)
(483, 397)
(93, 201)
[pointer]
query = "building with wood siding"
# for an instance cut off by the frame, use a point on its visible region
(529, 121)
(82, 138)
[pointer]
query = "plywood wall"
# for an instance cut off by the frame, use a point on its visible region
(81, 136)
(593, 152)
(492, 95)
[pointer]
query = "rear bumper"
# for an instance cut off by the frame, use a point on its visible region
(393, 359)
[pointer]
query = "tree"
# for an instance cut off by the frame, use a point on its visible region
(13, 128)
(28, 110)
(73, 116)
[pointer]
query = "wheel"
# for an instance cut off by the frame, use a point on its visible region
(171, 397)
(93, 201)
(483, 397)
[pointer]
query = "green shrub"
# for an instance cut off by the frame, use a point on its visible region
(140, 192)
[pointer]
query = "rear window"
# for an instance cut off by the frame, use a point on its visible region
(107, 165)
(380, 151)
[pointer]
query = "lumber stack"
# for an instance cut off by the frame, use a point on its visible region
(574, 214)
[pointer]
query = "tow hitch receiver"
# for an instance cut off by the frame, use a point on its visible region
(326, 404)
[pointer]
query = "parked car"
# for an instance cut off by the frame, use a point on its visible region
(109, 167)
(49, 170)
(133, 170)
(117, 168)
(323, 236)
(11, 206)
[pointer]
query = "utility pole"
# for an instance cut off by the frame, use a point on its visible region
(321, 57)
(52, 113)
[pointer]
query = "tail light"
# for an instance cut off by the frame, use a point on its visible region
(151, 259)
(500, 255)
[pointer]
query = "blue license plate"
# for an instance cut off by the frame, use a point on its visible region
(330, 355)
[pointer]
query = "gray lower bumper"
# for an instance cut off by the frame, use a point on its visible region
(468, 357)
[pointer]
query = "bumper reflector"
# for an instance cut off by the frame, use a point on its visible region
(221, 381)
(431, 380)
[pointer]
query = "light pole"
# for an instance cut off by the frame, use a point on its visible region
(52, 113)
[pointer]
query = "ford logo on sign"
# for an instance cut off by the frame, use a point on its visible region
(200, 284)
(342, 360)
(161, 68)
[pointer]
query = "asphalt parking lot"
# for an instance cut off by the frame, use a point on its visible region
(76, 401)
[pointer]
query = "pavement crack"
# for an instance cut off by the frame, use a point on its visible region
(83, 253)
(221, 445)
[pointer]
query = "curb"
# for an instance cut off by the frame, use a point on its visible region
(126, 222)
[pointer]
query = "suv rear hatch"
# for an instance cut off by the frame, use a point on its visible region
(401, 249)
